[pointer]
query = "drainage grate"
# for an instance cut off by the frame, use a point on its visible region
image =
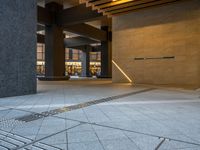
(36, 116)
(9, 141)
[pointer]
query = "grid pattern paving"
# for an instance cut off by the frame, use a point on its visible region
(155, 119)
(14, 141)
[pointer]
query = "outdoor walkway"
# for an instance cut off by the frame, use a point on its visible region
(99, 115)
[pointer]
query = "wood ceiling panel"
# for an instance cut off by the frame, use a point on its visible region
(101, 2)
(123, 5)
(117, 7)
(111, 4)
(140, 6)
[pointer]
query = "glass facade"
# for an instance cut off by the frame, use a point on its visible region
(76, 54)
(66, 54)
(95, 56)
(95, 63)
(74, 65)
(72, 61)
(40, 59)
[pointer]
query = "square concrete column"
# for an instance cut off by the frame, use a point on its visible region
(85, 59)
(18, 23)
(106, 57)
(70, 54)
(54, 51)
(54, 46)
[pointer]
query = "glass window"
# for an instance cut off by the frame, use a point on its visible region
(66, 54)
(40, 52)
(40, 59)
(40, 56)
(75, 54)
(92, 56)
(95, 56)
(98, 56)
(80, 53)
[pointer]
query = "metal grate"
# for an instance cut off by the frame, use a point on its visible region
(9, 141)
(36, 116)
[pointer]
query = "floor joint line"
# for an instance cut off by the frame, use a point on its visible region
(160, 144)
(38, 140)
(141, 133)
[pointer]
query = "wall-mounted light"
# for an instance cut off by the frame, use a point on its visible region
(127, 77)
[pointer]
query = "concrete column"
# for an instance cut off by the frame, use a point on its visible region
(106, 57)
(85, 59)
(54, 46)
(70, 54)
(18, 47)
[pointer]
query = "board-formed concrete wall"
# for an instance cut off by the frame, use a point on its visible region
(17, 47)
(172, 30)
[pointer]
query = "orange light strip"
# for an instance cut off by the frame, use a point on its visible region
(127, 77)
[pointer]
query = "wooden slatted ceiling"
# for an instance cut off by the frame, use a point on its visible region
(117, 7)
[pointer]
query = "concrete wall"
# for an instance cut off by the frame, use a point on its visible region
(170, 30)
(17, 47)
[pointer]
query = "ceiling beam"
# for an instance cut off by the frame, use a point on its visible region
(83, 30)
(78, 41)
(78, 14)
(40, 27)
(44, 16)
(88, 48)
(72, 19)
(70, 42)
(87, 31)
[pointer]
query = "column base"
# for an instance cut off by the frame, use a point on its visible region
(64, 78)
(104, 76)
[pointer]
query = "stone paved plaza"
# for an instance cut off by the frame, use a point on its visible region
(99, 115)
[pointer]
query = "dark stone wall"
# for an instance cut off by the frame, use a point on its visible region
(17, 47)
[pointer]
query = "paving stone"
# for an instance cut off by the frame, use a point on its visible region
(144, 142)
(119, 144)
(95, 145)
(77, 137)
(168, 145)
(173, 114)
